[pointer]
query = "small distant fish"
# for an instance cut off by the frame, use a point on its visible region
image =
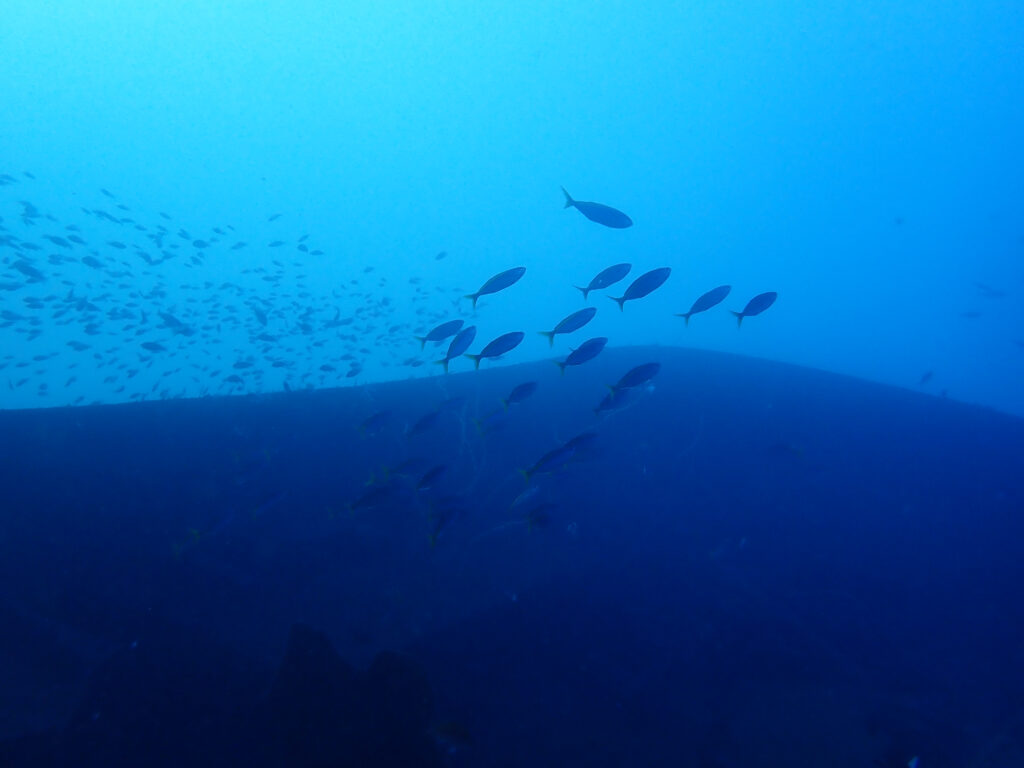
(440, 255)
(463, 339)
(273, 217)
(605, 278)
(989, 292)
(498, 347)
(756, 306)
(519, 393)
(599, 213)
(925, 378)
(153, 346)
(441, 332)
(710, 299)
(573, 322)
(499, 282)
(972, 315)
(643, 285)
(586, 351)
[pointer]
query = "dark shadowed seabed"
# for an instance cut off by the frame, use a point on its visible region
(751, 564)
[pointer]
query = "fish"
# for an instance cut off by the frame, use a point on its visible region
(431, 477)
(458, 345)
(374, 423)
(504, 343)
(643, 285)
(573, 322)
(499, 282)
(705, 302)
(441, 332)
(599, 213)
(552, 461)
(423, 424)
(519, 393)
(617, 399)
(756, 306)
(588, 350)
(605, 278)
(636, 377)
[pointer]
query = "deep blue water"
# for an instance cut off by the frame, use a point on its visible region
(750, 564)
(247, 519)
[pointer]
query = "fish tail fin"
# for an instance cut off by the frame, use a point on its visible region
(422, 340)
(549, 335)
(569, 202)
(561, 367)
(686, 317)
(505, 404)
(476, 361)
(472, 297)
(620, 300)
(432, 538)
(442, 362)
(739, 318)
(584, 291)
(525, 473)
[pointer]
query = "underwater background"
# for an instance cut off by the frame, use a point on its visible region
(767, 511)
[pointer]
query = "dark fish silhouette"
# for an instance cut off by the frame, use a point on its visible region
(588, 350)
(499, 282)
(520, 393)
(441, 332)
(606, 277)
(637, 377)
(710, 299)
(643, 285)
(599, 213)
(504, 343)
(573, 322)
(756, 306)
(458, 345)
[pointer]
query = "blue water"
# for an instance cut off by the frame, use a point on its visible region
(224, 226)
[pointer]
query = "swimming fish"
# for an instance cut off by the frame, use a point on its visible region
(573, 322)
(588, 350)
(606, 277)
(504, 343)
(499, 282)
(520, 393)
(636, 377)
(756, 306)
(643, 285)
(710, 299)
(441, 332)
(458, 345)
(599, 213)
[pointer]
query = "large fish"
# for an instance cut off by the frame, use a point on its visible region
(573, 322)
(643, 285)
(756, 306)
(499, 282)
(588, 350)
(504, 343)
(441, 332)
(710, 299)
(458, 345)
(636, 377)
(606, 277)
(599, 213)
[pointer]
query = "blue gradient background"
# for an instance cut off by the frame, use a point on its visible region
(863, 159)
